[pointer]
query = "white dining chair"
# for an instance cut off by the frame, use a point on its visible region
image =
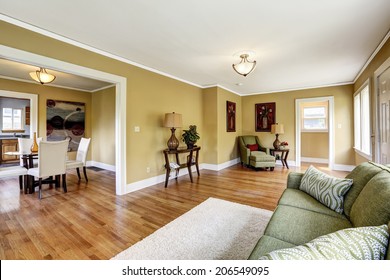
(81, 158)
(25, 149)
(51, 162)
(13, 171)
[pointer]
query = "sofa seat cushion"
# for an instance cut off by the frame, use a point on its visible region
(326, 189)
(261, 156)
(372, 206)
(300, 199)
(363, 243)
(360, 176)
(299, 226)
(268, 244)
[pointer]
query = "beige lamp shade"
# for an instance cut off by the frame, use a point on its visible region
(172, 120)
(277, 129)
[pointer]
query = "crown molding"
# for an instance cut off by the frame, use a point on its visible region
(378, 48)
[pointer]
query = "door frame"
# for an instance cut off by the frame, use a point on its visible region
(376, 144)
(120, 99)
(298, 121)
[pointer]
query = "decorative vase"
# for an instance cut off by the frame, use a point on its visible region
(34, 147)
(265, 122)
(190, 145)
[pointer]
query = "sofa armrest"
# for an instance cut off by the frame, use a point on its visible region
(294, 180)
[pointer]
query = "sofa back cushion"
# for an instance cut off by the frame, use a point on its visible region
(360, 176)
(326, 189)
(372, 206)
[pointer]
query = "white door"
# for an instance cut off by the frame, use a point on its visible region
(384, 116)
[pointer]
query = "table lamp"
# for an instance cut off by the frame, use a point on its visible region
(277, 129)
(173, 121)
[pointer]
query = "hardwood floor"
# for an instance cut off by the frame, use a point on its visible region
(91, 222)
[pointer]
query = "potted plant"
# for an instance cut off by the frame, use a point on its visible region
(190, 136)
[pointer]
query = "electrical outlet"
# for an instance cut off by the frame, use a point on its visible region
(148, 169)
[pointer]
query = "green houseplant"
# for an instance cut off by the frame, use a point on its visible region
(190, 136)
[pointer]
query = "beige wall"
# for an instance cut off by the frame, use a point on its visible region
(103, 126)
(315, 145)
(48, 92)
(210, 125)
(149, 97)
(227, 141)
(285, 114)
(368, 73)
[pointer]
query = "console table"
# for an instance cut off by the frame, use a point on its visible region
(283, 155)
(191, 160)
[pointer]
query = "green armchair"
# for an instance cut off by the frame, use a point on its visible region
(245, 152)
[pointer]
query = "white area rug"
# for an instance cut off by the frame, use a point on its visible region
(215, 229)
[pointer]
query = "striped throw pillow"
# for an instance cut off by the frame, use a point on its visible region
(363, 243)
(326, 189)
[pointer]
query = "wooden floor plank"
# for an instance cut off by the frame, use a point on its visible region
(91, 222)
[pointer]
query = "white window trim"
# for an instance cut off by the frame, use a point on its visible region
(12, 117)
(358, 149)
(325, 130)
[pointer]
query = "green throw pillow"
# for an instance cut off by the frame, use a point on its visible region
(326, 189)
(364, 243)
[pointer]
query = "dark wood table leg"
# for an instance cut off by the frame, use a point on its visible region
(167, 167)
(196, 162)
(189, 163)
(285, 159)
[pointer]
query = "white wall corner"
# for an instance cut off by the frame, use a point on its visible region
(343, 167)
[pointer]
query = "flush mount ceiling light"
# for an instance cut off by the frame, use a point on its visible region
(244, 67)
(41, 76)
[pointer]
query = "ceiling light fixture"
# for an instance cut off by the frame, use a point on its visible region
(244, 67)
(41, 76)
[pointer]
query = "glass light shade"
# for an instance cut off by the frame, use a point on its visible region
(244, 67)
(41, 76)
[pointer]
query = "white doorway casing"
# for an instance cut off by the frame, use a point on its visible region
(298, 121)
(120, 99)
(377, 117)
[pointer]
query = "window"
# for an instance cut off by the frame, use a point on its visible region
(361, 105)
(12, 119)
(315, 117)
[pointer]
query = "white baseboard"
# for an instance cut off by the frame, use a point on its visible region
(289, 162)
(315, 160)
(343, 167)
(161, 178)
(155, 180)
(101, 165)
(217, 167)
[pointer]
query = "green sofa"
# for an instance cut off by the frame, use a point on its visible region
(300, 218)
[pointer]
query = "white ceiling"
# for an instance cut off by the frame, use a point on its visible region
(297, 43)
(19, 71)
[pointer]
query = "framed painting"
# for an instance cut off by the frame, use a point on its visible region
(264, 116)
(65, 120)
(230, 116)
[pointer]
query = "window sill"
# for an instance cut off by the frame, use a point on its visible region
(13, 131)
(366, 156)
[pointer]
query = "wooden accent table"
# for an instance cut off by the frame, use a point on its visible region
(190, 161)
(283, 155)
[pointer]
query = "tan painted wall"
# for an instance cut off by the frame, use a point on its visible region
(315, 145)
(227, 141)
(368, 73)
(285, 114)
(103, 126)
(210, 126)
(149, 97)
(47, 92)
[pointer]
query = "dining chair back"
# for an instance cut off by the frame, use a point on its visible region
(52, 158)
(81, 158)
(51, 162)
(13, 171)
(25, 145)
